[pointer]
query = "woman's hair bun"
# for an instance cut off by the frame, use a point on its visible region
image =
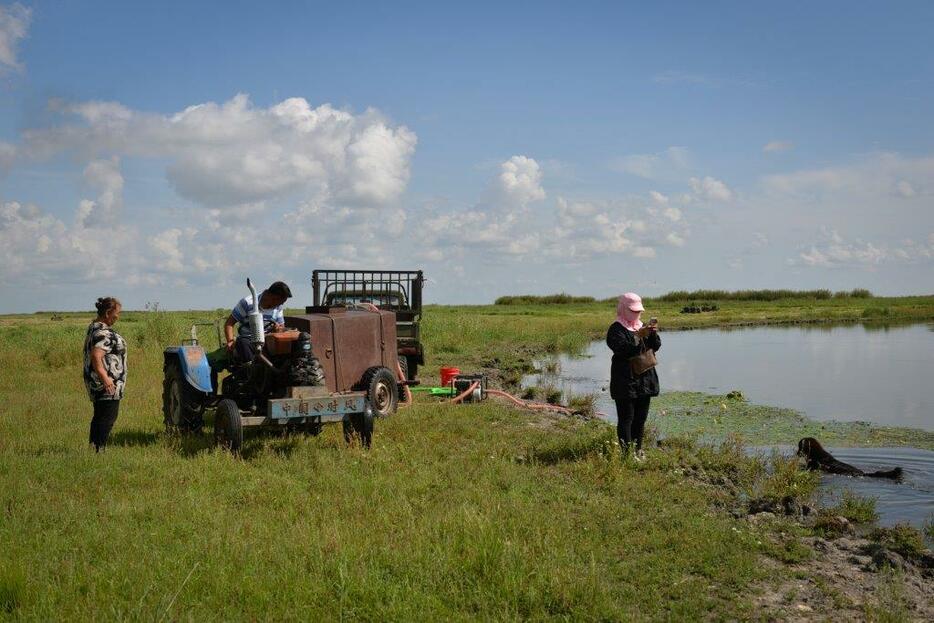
(105, 303)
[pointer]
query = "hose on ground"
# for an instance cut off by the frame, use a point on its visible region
(408, 392)
(528, 404)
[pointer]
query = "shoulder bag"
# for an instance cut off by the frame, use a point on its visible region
(644, 361)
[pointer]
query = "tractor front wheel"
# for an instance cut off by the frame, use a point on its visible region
(182, 405)
(228, 426)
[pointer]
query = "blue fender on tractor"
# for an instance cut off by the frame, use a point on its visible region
(193, 362)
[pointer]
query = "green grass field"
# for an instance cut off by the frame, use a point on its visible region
(457, 512)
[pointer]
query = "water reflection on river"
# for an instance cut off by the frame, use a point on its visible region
(883, 375)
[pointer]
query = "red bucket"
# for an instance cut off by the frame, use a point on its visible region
(447, 374)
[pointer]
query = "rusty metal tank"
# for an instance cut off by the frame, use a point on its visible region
(347, 342)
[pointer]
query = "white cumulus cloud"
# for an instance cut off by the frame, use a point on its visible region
(223, 155)
(14, 25)
(833, 250)
(710, 189)
(520, 181)
(105, 177)
(39, 247)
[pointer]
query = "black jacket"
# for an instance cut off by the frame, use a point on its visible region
(625, 344)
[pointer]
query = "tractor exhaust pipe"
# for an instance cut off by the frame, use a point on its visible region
(257, 333)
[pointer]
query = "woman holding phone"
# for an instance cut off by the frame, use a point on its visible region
(628, 337)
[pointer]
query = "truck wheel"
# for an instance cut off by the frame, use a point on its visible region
(411, 367)
(228, 427)
(182, 405)
(382, 390)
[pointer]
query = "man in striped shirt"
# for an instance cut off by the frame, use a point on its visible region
(271, 302)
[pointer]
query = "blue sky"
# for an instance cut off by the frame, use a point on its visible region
(164, 153)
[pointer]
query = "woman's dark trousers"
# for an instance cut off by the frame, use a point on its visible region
(105, 414)
(631, 414)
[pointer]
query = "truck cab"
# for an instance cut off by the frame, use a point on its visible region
(398, 291)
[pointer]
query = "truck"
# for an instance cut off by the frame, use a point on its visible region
(398, 291)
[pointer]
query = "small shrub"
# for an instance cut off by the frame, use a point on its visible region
(552, 395)
(786, 480)
(159, 328)
(901, 539)
(529, 393)
(829, 525)
(584, 404)
(856, 508)
(929, 528)
(511, 378)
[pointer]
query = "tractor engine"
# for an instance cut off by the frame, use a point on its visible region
(285, 360)
(293, 363)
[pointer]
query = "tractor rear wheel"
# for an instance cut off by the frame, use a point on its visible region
(228, 426)
(382, 390)
(182, 405)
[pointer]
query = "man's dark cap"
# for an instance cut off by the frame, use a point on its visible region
(280, 289)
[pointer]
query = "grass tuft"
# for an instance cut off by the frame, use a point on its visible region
(856, 508)
(583, 404)
(594, 439)
(12, 587)
(901, 539)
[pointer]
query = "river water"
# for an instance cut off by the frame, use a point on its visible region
(883, 375)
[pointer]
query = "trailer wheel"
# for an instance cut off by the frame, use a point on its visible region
(382, 390)
(182, 405)
(359, 424)
(228, 426)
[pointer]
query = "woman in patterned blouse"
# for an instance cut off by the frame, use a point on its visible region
(104, 369)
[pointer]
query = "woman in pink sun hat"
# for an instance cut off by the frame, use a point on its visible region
(628, 337)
